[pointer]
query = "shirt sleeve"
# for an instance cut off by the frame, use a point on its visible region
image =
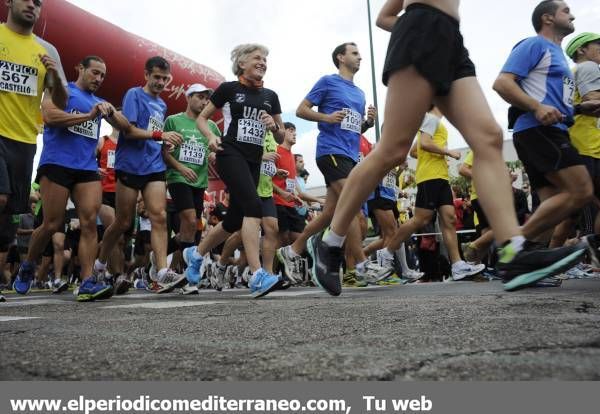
(524, 57)
(130, 107)
(430, 124)
(318, 92)
(53, 53)
(469, 159)
(214, 128)
(221, 96)
(587, 78)
(276, 109)
(169, 124)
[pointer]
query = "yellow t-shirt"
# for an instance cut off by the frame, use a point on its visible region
(469, 161)
(432, 166)
(22, 81)
(585, 132)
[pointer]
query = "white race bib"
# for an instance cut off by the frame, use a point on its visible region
(88, 129)
(192, 152)
(145, 224)
(389, 181)
(268, 168)
(19, 79)
(155, 124)
(290, 185)
(251, 131)
(568, 90)
(352, 121)
(110, 159)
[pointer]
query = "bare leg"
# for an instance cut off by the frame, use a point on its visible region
(251, 241)
(126, 198)
(87, 198)
(448, 221)
(270, 242)
(156, 206)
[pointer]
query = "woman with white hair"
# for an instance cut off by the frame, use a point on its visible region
(249, 110)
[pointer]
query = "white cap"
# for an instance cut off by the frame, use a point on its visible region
(197, 88)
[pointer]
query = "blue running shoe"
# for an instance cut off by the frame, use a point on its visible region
(192, 271)
(24, 279)
(91, 289)
(262, 282)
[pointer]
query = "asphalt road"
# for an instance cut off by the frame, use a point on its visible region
(435, 331)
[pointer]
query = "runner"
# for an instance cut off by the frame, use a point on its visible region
(140, 167)
(537, 80)
(68, 168)
(33, 66)
(251, 110)
(340, 117)
(187, 173)
(427, 63)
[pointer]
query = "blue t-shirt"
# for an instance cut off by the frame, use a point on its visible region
(544, 74)
(333, 93)
(387, 188)
(141, 156)
(302, 210)
(75, 146)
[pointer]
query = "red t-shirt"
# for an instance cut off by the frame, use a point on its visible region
(107, 161)
(285, 162)
(364, 148)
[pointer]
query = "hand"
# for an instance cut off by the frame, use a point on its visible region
(591, 108)
(282, 173)
(548, 115)
(212, 157)
(453, 154)
(94, 112)
(214, 143)
(269, 122)
(188, 174)
(298, 200)
(172, 138)
(270, 156)
(336, 117)
(371, 115)
(106, 109)
(49, 63)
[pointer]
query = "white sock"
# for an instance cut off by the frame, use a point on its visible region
(98, 265)
(333, 240)
(517, 242)
(402, 255)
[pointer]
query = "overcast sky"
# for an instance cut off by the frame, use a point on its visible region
(302, 34)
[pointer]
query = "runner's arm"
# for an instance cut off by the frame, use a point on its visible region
(428, 144)
(465, 170)
(55, 117)
(507, 87)
(305, 111)
(388, 15)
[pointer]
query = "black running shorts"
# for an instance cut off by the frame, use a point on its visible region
(335, 167)
(542, 150)
(432, 194)
(430, 40)
(16, 167)
(66, 177)
(139, 182)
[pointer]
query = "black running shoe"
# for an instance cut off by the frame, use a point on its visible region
(326, 264)
(529, 266)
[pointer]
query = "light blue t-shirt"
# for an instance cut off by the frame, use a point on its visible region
(544, 74)
(302, 210)
(141, 156)
(333, 93)
(75, 146)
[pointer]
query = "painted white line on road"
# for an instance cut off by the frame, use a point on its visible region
(161, 305)
(31, 302)
(16, 318)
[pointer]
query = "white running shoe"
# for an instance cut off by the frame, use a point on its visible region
(462, 269)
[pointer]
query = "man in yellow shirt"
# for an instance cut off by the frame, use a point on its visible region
(434, 194)
(28, 66)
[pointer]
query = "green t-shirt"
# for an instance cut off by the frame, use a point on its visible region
(193, 152)
(267, 169)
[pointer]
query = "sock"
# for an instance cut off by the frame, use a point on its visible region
(99, 266)
(361, 267)
(510, 249)
(517, 243)
(333, 240)
(402, 256)
(161, 273)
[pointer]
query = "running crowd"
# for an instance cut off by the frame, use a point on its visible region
(149, 177)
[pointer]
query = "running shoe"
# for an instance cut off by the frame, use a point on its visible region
(592, 242)
(290, 263)
(326, 264)
(373, 273)
(350, 279)
(152, 271)
(60, 286)
(412, 275)
(139, 284)
(122, 285)
(462, 269)
(2, 298)
(217, 276)
(230, 275)
(24, 279)
(91, 289)
(470, 253)
(262, 282)
(383, 260)
(188, 289)
(170, 281)
(193, 263)
(528, 266)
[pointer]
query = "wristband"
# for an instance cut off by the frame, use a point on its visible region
(157, 135)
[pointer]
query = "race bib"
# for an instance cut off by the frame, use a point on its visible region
(19, 79)
(192, 152)
(110, 159)
(389, 181)
(268, 168)
(251, 131)
(290, 185)
(145, 224)
(88, 129)
(352, 121)
(155, 124)
(568, 90)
